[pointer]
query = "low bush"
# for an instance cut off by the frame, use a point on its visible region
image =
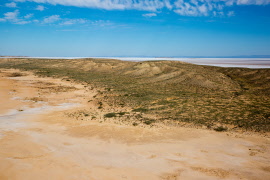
(140, 110)
(110, 115)
(148, 122)
(220, 128)
(15, 74)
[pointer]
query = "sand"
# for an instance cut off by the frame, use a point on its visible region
(39, 140)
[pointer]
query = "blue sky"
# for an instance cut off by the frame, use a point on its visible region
(159, 28)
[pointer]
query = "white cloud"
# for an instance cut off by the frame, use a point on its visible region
(255, 2)
(190, 9)
(51, 19)
(28, 16)
(168, 4)
(211, 7)
(22, 22)
(148, 5)
(11, 5)
(229, 2)
(98, 23)
(40, 8)
(203, 9)
(150, 15)
(73, 21)
(230, 13)
(12, 16)
(15, 18)
(181, 7)
(101, 23)
(219, 13)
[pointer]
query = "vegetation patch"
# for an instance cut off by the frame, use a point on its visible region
(173, 90)
(122, 113)
(140, 110)
(110, 115)
(149, 121)
(221, 128)
(16, 74)
(135, 124)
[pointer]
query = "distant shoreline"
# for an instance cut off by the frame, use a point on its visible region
(252, 63)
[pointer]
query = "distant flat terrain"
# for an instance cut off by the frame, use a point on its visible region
(221, 62)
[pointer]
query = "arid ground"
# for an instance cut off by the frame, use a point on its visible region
(56, 128)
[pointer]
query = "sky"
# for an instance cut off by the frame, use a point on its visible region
(157, 28)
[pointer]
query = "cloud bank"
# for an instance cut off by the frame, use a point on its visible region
(181, 7)
(13, 17)
(11, 5)
(152, 8)
(40, 8)
(150, 15)
(51, 19)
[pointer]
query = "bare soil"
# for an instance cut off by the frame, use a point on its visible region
(54, 129)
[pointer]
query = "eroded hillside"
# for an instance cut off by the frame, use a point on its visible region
(169, 91)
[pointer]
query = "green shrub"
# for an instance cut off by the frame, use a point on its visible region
(140, 110)
(148, 122)
(220, 128)
(15, 74)
(110, 115)
(122, 113)
(135, 124)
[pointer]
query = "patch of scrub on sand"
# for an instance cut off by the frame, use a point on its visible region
(33, 99)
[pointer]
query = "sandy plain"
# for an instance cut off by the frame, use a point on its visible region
(39, 139)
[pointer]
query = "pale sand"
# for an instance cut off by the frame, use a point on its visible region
(42, 142)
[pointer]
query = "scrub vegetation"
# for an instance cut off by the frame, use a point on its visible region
(173, 91)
